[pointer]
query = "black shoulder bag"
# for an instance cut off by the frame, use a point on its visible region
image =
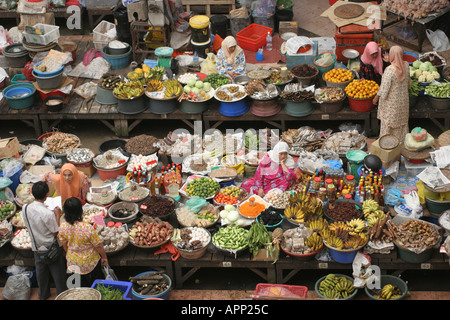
(47, 256)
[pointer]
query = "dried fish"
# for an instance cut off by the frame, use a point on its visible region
(61, 143)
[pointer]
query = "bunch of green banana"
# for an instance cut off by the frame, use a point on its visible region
(157, 73)
(128, 90)
(389, 292)
(374, 216)
(314, 241)
(336, 287)
(172, 88)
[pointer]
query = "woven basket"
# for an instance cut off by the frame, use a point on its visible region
(389, 142)
(444, 139)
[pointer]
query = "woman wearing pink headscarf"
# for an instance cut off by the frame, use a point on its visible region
(393, 109)
(372, 63)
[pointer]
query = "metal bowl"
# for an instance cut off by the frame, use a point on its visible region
(350, 53)
(242, 80)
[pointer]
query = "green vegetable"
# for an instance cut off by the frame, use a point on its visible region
(258, 237)
(109, 292)
(438, 90)
(202, 187)
(414, 89)
(231, 237)
(216, 80)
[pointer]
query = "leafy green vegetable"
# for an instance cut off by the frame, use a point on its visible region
(109, 292)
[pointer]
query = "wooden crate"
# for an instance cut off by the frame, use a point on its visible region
(209, 5)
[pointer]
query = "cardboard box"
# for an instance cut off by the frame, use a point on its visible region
(287, 26)
(88, 170)
(385, 155)
(9, 147)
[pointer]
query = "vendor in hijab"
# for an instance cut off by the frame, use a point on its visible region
(70, 183)
(393, 109)
(372, 63)
(230, 58)
(276, 170)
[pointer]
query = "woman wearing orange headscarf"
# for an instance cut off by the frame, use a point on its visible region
(372, 63)
(70, 182)
(393, 109)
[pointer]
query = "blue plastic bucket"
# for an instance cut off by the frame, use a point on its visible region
(343, 256)
(163, 295)
(17, 91)
(46, 74)
(233, 109)
(20, 102)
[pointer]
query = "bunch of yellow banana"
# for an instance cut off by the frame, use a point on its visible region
(317, 224)
(389, 292)
(374, 216)
(314, 241)
(325, 233)
(335, 242)
(312, 204)
(356, 226)
(128, 90)
(337, 225)
(369, 206)
(355, 241)
(172, 88)
(297, 212)
(154, 85)
(336, 287)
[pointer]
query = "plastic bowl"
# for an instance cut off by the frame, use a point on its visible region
(11, 94)
(316, 287)
(270, 227)
(388, 279)
(46, 74)
(163, 295)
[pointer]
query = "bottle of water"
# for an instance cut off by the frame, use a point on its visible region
(268, 42)
(195, 57)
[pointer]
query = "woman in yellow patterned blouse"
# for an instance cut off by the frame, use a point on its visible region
(81, 243)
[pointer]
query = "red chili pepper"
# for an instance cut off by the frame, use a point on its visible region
(121, 161)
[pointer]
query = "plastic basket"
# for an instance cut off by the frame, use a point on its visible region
(323, 69)
(279, 291)
(50, 34)
(19, 78)
(100, 32)
(119, 61)
(360, 105)
(253, 37)
(121, 285)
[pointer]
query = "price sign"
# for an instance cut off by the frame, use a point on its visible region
(325, 117)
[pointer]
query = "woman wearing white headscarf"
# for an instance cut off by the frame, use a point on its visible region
(276, 170)
(230, 58)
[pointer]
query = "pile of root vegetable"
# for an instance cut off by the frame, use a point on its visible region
(416, 235)
(149, 232)
(60, 142)
(149, 284)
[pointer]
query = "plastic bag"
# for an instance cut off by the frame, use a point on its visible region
(412, 201)
(109, 274)
(17, 287)
(394, 197)
(58, 3)
(285, 4)
(11, 166)
(438, 39)
(208, 65)
(265, 8)
(196, 203)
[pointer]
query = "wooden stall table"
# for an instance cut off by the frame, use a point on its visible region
(185, 268)
(29, 116)
(420, 26)
(137, 257)
(10, 14)
(212, 117)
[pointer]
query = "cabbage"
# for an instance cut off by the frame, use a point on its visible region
(199, 84)
(232, 216)
(191, 82)
(229, 207)
(187, 89)
(223, 214)
(423, 67)
(195, 90)
(206, 86)
(432, 68)
(416, 64)
(428, 64)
